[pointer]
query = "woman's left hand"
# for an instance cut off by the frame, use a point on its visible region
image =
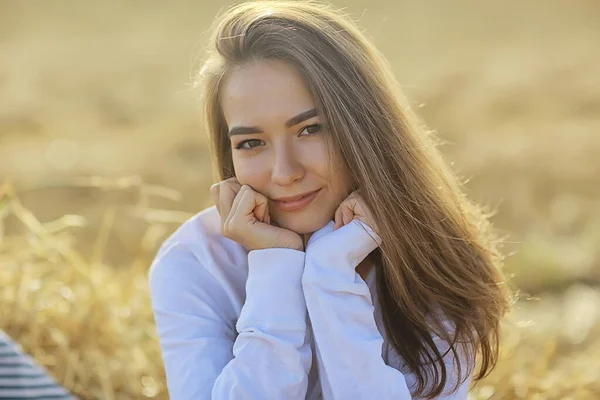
(353, 207)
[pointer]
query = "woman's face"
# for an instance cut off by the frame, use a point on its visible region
(279, 144)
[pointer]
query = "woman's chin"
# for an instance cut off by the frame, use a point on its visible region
(302, 226)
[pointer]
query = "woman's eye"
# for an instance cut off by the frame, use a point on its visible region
(246, 144)
(314, 128)
(252, 143)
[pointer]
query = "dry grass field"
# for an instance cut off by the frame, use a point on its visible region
(101, 157)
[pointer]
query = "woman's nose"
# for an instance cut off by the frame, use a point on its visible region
(286, 166)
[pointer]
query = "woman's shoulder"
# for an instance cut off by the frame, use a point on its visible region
(202, 230)
(197, 266)
(198, 243)
(199, 227)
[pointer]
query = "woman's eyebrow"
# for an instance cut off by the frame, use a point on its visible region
(301, 117)
(247, 130)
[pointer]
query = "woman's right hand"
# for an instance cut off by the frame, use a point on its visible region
(245, 218)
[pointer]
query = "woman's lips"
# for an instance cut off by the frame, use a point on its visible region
(296, 205)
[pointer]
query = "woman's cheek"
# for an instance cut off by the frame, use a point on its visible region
(314, 155)
(250, 171)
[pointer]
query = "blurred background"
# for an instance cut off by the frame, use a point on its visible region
(102, 156)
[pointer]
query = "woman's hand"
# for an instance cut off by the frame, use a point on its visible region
(353, 207)
(245, 218)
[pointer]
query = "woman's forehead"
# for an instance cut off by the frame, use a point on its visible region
(268, 90)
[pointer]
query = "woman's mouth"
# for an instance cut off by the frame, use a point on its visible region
(295, 205)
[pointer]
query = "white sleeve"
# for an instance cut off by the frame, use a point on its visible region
(264, 356)
(348, 343)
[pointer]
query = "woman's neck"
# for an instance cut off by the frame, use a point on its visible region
(306, 238)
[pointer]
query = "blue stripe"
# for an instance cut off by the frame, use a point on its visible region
(16, 365)
(20, 376)
(30, 387)
(11, 355)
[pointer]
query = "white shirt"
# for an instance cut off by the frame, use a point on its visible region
(274, 323)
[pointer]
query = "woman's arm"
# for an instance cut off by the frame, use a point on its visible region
(348, 343)
(264, 356)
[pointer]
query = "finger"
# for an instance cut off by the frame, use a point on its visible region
(236, 202)
(360, 208)
(227, 195)
(347, 213)
(234, 184)
(262, 206)
(244, 208)
(260, 213)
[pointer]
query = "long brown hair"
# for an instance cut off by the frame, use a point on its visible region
(439, 256)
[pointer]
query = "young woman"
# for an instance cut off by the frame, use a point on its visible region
(341, 259)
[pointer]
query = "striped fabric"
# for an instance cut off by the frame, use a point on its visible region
(22, 378)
